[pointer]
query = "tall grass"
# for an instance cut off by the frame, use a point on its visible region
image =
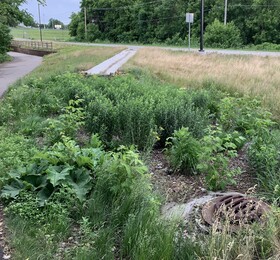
(123, 110)
(249, 75)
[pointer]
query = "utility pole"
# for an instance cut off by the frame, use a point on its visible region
(40, 23)
(201, 24)
(85, 12)
(225, 17)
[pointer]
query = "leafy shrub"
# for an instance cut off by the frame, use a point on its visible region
(66, 124)
(244, 115)
(208, 99)
(5, 38)
(214, 159)
(120, 172)
(63, 165)
(7, 113)
(183, 152)
(15, 150)
(27, 100)
(66, 165)
(27, 207)
(263, 156)
(267, 46)
(5, 57)
(218, 35)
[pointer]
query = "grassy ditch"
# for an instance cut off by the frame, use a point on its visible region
(74, 182)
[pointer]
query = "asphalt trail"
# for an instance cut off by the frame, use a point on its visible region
(21, 65)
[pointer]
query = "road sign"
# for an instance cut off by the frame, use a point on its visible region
(189, 20)
(189, 17)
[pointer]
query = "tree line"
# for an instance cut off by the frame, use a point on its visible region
(163, 21)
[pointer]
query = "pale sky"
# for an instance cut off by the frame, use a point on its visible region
(58, 9)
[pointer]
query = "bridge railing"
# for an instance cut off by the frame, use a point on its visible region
(35, 45)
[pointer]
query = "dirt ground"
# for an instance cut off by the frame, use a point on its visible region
(182, 188)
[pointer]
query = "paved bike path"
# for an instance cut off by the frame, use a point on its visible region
(21, 65)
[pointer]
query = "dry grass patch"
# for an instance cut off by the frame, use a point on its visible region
(249, 75)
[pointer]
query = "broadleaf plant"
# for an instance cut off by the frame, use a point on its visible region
(63, 165)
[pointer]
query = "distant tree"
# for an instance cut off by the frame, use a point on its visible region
(149, 21)
(29, 21)
(73, 26)
(53, 22)
(11, 15)
(265, 23)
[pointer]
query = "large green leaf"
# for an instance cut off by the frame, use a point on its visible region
(80, 181)
(12, 190)
(55, 175)
(38, 181)
(44, 194)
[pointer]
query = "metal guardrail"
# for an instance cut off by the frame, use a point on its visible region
(34, 45)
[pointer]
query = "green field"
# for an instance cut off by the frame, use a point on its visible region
(34, 34)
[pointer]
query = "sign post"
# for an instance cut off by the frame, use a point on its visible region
(189, 20)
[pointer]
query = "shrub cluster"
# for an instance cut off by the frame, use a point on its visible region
(5, 38)
(238, 120)
(122, 110)
(218, 35)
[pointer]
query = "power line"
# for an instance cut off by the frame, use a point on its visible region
(147, 3)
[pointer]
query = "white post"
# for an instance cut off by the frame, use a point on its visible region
(189, 20)
(189, 36)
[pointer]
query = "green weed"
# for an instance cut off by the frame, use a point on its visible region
(214, 159)
(183, 152)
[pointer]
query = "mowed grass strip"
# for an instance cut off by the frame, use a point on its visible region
(73, 59)
(34, 34)
(250, 75)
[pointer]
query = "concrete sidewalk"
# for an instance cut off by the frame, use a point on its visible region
(20, 66)
(111, 66)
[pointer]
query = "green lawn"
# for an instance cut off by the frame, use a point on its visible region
(34, 34)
